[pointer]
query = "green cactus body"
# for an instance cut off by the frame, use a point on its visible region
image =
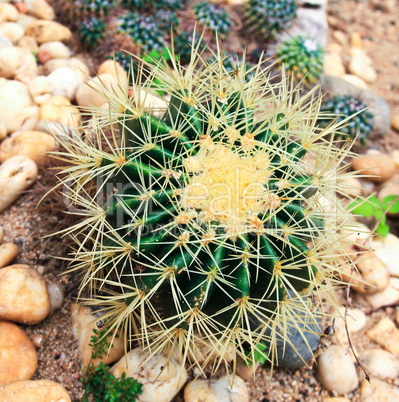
(91, 31)
(78, 10)
(341, 107)
(269, 17)
(200, 220)
(213, 17)
(302, 59)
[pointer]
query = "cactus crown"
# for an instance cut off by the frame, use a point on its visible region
(213, 17)
(91, 31)
(200, 218)
(344, 107)
(302, 59)
(269, 17)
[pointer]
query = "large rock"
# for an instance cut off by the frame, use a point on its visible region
(115, 69)
(41, 89)
(8, 12)
(12, 30)
(33, 144)
(17, 111)
(377, 105)
(48, 31)
(65, 82)
(17, 62)
(23, 295)
(17, 355)
(16, 175)
(217, 390)
(40, 9)
(378, 167)
(34, 391)
(53, 50)
(161, 379)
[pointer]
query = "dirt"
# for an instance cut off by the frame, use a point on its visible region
(26, 223)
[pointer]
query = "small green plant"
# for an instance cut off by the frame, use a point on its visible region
(340, 108)
(91, 31)
(269, 17)
(302, 58)
(374, 208)
(259, 355)
(213, 17)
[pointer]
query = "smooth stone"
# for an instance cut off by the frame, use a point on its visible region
(80, 68)
(394, 155)
(34, 391)
(23, 295)
(390, 187)
(55, 64)
(387, 250)
(244, 371)
(151, 103)
(29, 43)
(40, 9)
(59, 109)
(351, 186)
(116, 70)
(84, 322)
(380, 363)
(388, 297)
(162, 379)
(18, 356)
(336, 371)
(378, 106)
(16, 62)
(53, 50)
(8, 12)
(395, 122)
(16, 175)
(355, 320)
(378, 168)
(8, 252)
(360, 64)
(25, 20)
(385, 334)
(41, 89)
(1, 234)
(12, 30)
(378, 391)
(48, 31)
(336, 399)
(87, 95)
(355, 80)
(356, 40)
(205, 352)
(217, 390)
(5, 42)
(333, 65)
(65, 82)
(340, 37)
(32, 144)
(56, 293)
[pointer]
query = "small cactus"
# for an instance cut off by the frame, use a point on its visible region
(341, 107)
(78, 10)
(204, 225)
(269, 17)
(302, 59)
(213, 17)
(91, 31)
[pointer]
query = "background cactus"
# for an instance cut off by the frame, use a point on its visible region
(341, 107)
(213, 17)
(91, 31)
(269, 17)
(78, 10)
(302, 58)
(199, 222)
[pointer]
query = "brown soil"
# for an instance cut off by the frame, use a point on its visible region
(26, 224)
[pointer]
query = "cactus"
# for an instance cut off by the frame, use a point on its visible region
(78, 10)
(172, 5)
(166, 20)
(342, 107)
(302, 59)
(213, 17)
(269, 17)
(201, 218)
(91, 31)
(143, 30)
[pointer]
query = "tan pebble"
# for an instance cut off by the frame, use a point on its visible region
(56, 293)
(115, 69)
(59, 109)
(333, 65)
(161, 379)
(336, 399)
(395, 122)
(29, 43)
(373, 272)
(32, 144)
(379, 168)
(341, 38)
(378, 391)
(16, 61)
(356, 40)
(394, 155)
(380, 363)
(355, 319)
(387, 250)
(65, 82)
(41, 89)
(351, 185)
(1, 234)
(25, 20)
(18, 355)
(53, 50)
(40, 9)
(389, 296)
(12, 30)
(84, 322)
(385, 334)
(360, 64)
(8, 12)
(55, 64)
(80, 69)
(23, 295)
(355, 80)
(244, 371)
(16, 175)
(150, 102)
(34, 391)
(37, 340)
(8, 252)
(48, 31)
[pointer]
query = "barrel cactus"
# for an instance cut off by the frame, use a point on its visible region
(302, 59)
(213, 17)
(356, 121)
(269, 17)
(91, 31)
(203, 224)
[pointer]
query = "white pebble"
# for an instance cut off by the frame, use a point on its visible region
(56, 293)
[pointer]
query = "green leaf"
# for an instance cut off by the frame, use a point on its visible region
(362, 207)
(383, 229)
(388, 200)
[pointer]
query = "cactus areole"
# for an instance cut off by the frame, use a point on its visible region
(202, 216)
